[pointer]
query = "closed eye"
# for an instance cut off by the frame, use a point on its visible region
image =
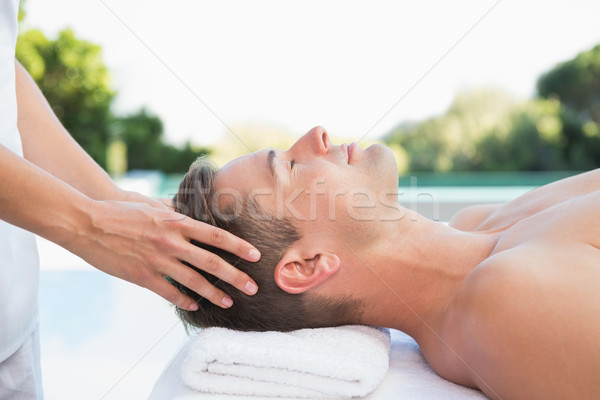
(292, 163)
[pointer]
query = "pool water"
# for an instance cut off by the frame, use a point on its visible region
(101, 337)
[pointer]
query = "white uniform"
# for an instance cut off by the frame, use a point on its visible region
(19, 263)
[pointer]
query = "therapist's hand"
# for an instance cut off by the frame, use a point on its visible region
(142, 244)
(135, 197)
(63, 196)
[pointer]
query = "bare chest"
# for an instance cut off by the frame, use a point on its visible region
(529, 313)
(575, 220)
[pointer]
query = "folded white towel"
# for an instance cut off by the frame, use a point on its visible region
(324, 363)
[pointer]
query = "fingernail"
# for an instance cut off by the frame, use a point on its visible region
(251, 287)
(194, 306)
(227, 302)
(254, 255)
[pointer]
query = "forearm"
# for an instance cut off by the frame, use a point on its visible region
(48, 145)
(36, 201)
(53, 192)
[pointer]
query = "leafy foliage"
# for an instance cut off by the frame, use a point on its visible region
(486, 130)
(142, 134)
(483, 129)
(71, 74)
(576, 83)
(451, 141)
(532, 140)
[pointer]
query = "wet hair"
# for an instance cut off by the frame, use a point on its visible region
(270, 308)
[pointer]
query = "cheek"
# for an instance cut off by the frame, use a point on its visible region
(331, 193)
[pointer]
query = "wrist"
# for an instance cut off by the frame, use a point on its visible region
(75, 226)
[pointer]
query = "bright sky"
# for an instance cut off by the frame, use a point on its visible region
(357, 68)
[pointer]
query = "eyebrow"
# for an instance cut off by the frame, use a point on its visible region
(271, 162)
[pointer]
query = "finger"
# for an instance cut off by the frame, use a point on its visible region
(166, 203)
(216, 266)
(220, 238)
(170, 293)
(196, 282)
(160, 204)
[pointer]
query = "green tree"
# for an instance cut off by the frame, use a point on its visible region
(576, 83)
(488, 131)
(71, 74)
(142, 134)
(450, 141)
(532, 140)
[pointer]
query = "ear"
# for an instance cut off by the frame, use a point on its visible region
(295, 274)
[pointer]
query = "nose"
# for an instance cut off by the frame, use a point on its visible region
(315, 141)
(320, 139)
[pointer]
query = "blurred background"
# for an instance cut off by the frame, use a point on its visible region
(480, 101)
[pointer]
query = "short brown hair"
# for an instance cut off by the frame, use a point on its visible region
(271, 308)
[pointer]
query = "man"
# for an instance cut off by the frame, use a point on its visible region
(505, 299)
(51, 187)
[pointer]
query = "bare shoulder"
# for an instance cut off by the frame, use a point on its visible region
(491, 217)
(530, 320)
(542, 198)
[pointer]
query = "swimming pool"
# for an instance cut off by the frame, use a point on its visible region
(101, 337)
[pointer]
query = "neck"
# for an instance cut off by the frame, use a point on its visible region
(414, 272)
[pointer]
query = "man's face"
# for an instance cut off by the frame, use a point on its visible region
(326, 191)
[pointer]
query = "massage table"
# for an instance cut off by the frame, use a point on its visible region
(409, 377)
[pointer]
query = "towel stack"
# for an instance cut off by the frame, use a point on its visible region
(324, 363)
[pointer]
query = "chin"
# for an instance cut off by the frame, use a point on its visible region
(385, 164)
